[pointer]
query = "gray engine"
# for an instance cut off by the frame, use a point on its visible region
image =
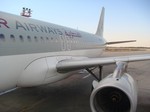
(115, 93)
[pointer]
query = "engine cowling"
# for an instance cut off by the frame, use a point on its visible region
(114, 95)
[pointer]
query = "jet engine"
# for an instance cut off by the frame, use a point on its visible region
(115, 93)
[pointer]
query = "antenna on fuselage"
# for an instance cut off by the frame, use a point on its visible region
(26, 12)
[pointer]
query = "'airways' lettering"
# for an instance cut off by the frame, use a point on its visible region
(19, 25)
(3, 22)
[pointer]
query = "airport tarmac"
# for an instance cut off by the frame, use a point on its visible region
(73, 93)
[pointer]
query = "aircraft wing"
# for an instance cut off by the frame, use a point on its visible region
(119, 42)
(77, 64)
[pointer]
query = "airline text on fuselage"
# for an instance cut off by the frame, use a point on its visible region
(38, 28)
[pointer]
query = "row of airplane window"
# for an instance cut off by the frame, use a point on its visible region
(40, 38)
(12, 37)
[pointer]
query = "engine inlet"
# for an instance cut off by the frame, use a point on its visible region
(111, 99)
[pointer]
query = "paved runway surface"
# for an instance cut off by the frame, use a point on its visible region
(72, 94)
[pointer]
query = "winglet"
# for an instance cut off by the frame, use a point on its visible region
(100, 27)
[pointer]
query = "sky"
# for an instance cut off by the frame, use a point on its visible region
(124, 19)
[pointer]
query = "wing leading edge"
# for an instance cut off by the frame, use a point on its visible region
(71, 65)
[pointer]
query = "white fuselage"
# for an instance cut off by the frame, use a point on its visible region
(30, 50)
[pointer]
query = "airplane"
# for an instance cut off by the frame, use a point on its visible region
(34, 53)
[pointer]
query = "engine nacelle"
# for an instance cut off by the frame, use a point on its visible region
(114, 95)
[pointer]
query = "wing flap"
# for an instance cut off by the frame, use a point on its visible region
(71, 65)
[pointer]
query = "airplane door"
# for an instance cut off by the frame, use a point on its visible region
(63, 43)
(68, 43)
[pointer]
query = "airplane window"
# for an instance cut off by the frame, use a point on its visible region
(29, 38)
(35, 37)
(21, 37)
(12, 37)
(42, 38)
(2, 37)
(47, 38)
